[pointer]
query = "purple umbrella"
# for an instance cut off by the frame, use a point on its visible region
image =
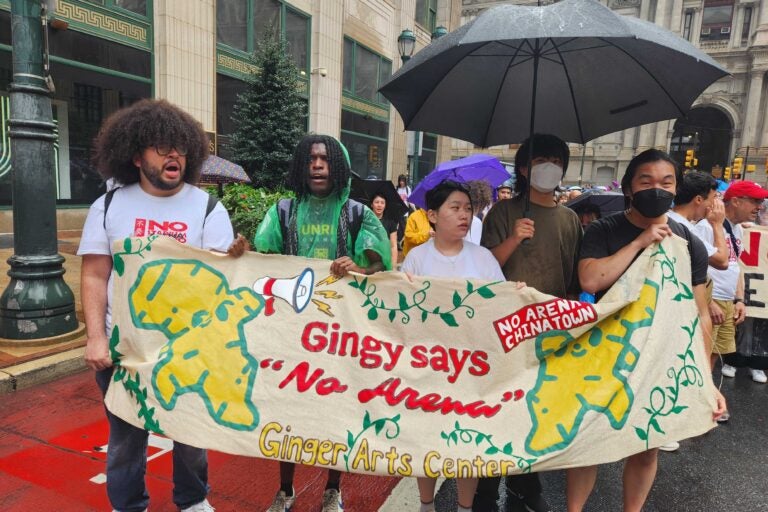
(474, 167)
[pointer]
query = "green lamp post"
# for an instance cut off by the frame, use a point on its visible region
(406, 44)
(439, 32)
(37, 302)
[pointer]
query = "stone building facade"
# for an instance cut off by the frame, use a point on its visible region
(729, 120)
(106, 54)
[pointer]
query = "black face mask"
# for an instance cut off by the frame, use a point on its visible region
(652, 202)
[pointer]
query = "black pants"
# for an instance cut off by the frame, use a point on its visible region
(487, 493)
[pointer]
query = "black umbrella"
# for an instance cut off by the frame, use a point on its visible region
(364, 190)
(595, 200)
(574, 69)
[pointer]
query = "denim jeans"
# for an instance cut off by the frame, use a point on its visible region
(127, 464)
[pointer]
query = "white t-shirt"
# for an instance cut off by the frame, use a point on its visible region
(711, 249)
(134, 213)
(473, 262)
(404, 192)
(475, 231)
(724, 281)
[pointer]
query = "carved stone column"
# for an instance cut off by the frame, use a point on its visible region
(750, 135)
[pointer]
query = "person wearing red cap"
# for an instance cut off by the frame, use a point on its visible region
(743, 201)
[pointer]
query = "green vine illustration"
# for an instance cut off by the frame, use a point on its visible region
(378, 425)
(132, 385)
(467, 436)
(669, 275)
(664, 401)
(417, 300)
(130, 249)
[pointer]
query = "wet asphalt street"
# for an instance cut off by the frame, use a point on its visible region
(725, 470)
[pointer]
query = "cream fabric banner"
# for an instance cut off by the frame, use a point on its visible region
(754, 263)
(270, 356)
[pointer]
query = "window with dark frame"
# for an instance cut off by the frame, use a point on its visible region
(652, 11)
(364, 72)
(428, 158)
(232, 23)
(135, 6)
(241, 24)
(687, 23)
(365, 136)
(716, 20)
(88, 102)
(426, 14)
(746, 26)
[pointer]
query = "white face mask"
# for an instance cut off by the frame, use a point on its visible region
(546, 177)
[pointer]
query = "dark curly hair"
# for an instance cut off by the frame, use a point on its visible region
(337, 163)
(147, 123)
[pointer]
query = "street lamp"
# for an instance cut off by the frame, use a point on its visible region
(406, 43)
(439, 32)
(37, 302)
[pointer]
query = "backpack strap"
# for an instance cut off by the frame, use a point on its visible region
(356, 212)
(729, 230)
(284, 207)
(212, 202)
(107, 201)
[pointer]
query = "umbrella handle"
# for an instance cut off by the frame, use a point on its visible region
(526, 215)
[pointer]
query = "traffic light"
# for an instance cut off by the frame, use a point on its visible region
(750, 167)
(766, 165)
(737, 167)
(689, 159)
(727, 173)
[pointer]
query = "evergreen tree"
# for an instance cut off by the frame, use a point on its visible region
(269, 116)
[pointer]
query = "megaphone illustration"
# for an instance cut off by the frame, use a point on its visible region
(296, 291)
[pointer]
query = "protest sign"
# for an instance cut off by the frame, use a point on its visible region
(271, 356)
(754, 263)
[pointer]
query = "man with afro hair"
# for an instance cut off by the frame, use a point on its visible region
(322, 222)
(153, 151)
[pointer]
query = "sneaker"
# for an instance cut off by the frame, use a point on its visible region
(728, 371)
(671, 446)
(282, 502)
(332, 501)
(535, 503)
(758, 376)
(203, 506)
(723, 418)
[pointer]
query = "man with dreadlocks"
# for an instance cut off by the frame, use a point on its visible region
(153, 151)
(322, 223)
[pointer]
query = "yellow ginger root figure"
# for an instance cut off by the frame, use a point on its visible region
(206, 353)
(587, 373)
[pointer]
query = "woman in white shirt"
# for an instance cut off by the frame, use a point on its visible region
(447, 254)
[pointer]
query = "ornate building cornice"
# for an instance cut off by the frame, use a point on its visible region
(619, 4)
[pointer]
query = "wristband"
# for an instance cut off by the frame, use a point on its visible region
(737, 300)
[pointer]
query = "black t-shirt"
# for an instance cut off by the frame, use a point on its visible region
(390, 226)
(606, 236)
